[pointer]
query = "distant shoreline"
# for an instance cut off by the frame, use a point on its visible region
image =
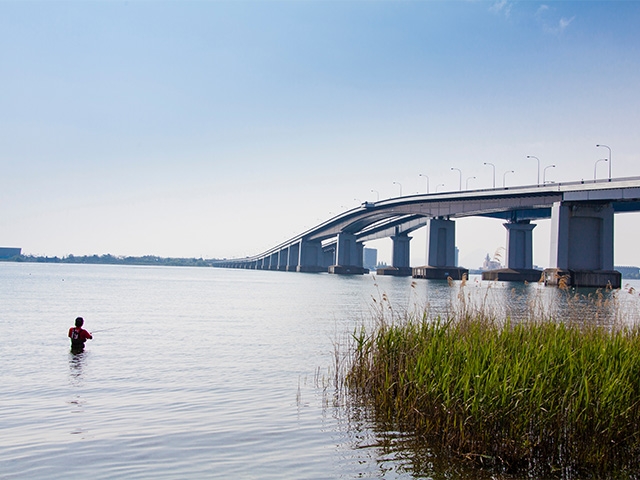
(108, 259)
(114, 260)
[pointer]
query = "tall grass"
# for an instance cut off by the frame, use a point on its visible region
(541, 394)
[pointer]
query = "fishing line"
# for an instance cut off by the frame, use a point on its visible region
(104, 330)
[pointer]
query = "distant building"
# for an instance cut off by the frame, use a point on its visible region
(7, 252)
(628, 272)
(370, 258)
(489, 264)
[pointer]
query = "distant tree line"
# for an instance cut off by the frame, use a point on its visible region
(109, 259)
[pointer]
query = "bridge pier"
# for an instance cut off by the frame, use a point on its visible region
(329, 257)
(310, 257)
(519, 255)
(520, 245)
(283, 258)
(582, 245)
(348, 256)
(441, 252)
(292, 257)
(273, 261)
(401, 259)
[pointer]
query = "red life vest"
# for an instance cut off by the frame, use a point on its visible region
(77, 342)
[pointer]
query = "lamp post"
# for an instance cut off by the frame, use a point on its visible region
(397, 183)
(531, 156)
(595, 167)
(504, 177)
(377, 195)
(439, 185)
(608, 148)
(544, 173)
(425, 176)
(467, 182)
(494, 173)
(460, 175)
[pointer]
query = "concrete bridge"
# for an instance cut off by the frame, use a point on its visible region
(582, 218)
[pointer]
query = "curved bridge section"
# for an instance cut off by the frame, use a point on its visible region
(582, 229)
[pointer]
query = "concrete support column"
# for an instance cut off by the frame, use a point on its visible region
(582, 236)
(441, 238)
(283, 257)
(582, 245)
(520, 245)
(400, 261)
(346, 249)
(441, 252)
(293, 254)
(310, 257)
(273, 261)
(348, 255)
(329, 256)
(401, 252)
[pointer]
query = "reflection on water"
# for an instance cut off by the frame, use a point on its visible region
(77, 365)
(401, 454)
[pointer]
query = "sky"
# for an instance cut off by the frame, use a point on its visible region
(219, 129)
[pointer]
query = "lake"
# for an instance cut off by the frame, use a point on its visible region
(199, 372)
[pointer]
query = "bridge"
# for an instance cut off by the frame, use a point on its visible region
(581, 213)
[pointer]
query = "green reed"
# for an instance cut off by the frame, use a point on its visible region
(541, 394)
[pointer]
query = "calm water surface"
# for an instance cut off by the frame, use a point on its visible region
(192, 373)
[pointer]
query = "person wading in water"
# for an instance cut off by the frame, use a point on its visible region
(78, 336)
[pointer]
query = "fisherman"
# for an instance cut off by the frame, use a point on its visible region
(78, 336)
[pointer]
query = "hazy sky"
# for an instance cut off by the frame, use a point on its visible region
(222, 128)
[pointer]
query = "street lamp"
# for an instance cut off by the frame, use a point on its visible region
(531, 156)
(467, 183)
(544, 173)
(439, 185)
(494, 173)
(460, 174)
(504, 177)
(397, 183)
(608, 148)
(425, 176)
(595, 167)
(377, 193)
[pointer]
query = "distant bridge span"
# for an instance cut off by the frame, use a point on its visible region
(581, 212)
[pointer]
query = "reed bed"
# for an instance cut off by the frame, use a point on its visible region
(542, 395)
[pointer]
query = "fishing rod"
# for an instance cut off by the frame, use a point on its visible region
(103, 330)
